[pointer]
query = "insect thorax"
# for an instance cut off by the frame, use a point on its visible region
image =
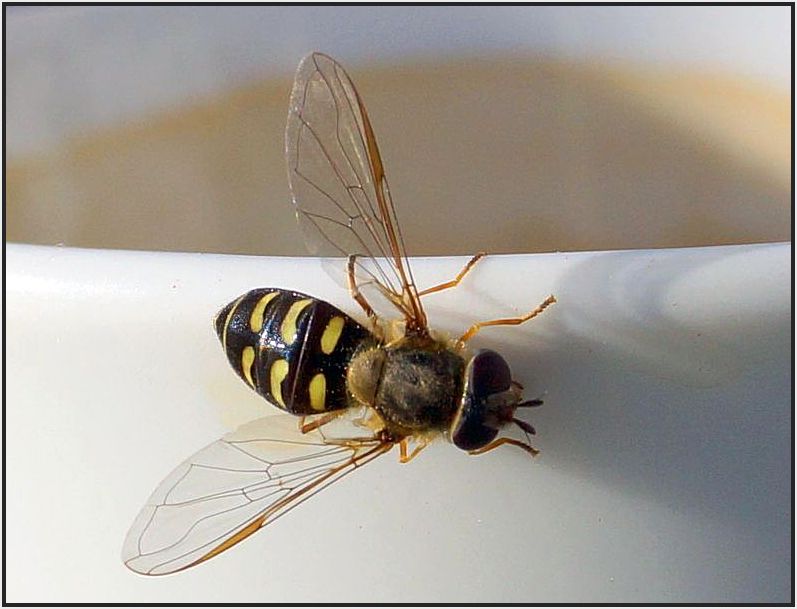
(415, 386)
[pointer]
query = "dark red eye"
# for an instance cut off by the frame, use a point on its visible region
(487, 373)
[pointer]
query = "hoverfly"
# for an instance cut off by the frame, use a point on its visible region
(406, 382)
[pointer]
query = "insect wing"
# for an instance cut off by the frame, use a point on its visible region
(232, 488)
(339, 186)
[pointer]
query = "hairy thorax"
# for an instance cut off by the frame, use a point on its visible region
(414, 384)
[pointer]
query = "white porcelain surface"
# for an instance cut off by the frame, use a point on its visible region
(664, 473)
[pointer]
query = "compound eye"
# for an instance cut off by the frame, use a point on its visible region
(486, 373)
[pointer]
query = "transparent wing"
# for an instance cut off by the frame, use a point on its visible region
(234, 487)
(339, 186)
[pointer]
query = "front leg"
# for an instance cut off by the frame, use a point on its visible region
(500, 442)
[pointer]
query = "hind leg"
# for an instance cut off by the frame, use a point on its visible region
(319, 422)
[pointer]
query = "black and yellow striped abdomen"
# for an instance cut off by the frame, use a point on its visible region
(291, 348)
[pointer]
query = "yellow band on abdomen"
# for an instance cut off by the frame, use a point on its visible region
(256, 318)
(318, 392)
(289, 323)
(247, 359)
(331, 335)
(279, 370)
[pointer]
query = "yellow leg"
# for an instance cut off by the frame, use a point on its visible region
(354, 442)
(355, 291)
(454, 282)
(404, 457)
(512, 321)
(316, 423)
(501, 441)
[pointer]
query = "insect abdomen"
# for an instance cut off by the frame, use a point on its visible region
(291, 348)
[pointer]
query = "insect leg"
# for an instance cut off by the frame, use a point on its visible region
(512, 321)
(316, 423)
(500, 441)
(454, 282)
(355, 291)
(358, 442)
(404, 456)
(369, 419)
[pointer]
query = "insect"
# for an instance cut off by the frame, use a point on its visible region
(399, 382)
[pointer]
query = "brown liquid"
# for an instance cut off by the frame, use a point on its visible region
(511, 155)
